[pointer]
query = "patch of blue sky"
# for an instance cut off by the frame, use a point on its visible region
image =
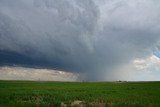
(157, 54)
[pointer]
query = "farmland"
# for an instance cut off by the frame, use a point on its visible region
(79, 94)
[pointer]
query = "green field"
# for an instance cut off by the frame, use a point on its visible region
(79, 94)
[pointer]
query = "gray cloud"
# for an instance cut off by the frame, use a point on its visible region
(88, 37)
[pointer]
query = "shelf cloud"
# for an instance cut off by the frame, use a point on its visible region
(88, 37)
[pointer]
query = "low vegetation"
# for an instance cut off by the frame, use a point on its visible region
(79, 94)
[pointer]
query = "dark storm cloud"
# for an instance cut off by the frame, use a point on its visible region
(84, 36)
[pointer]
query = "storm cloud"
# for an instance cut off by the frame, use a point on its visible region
(88, 37)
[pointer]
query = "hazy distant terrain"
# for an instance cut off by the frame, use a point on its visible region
(79, 94)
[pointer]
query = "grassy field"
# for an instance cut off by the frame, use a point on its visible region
(78, 94)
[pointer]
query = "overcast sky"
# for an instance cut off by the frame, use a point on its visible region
(94, 40)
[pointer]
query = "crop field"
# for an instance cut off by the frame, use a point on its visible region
(79, 94)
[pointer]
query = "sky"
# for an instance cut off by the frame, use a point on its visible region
(80, 40)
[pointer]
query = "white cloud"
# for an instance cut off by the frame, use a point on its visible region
(141, 69)
(21, 73)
